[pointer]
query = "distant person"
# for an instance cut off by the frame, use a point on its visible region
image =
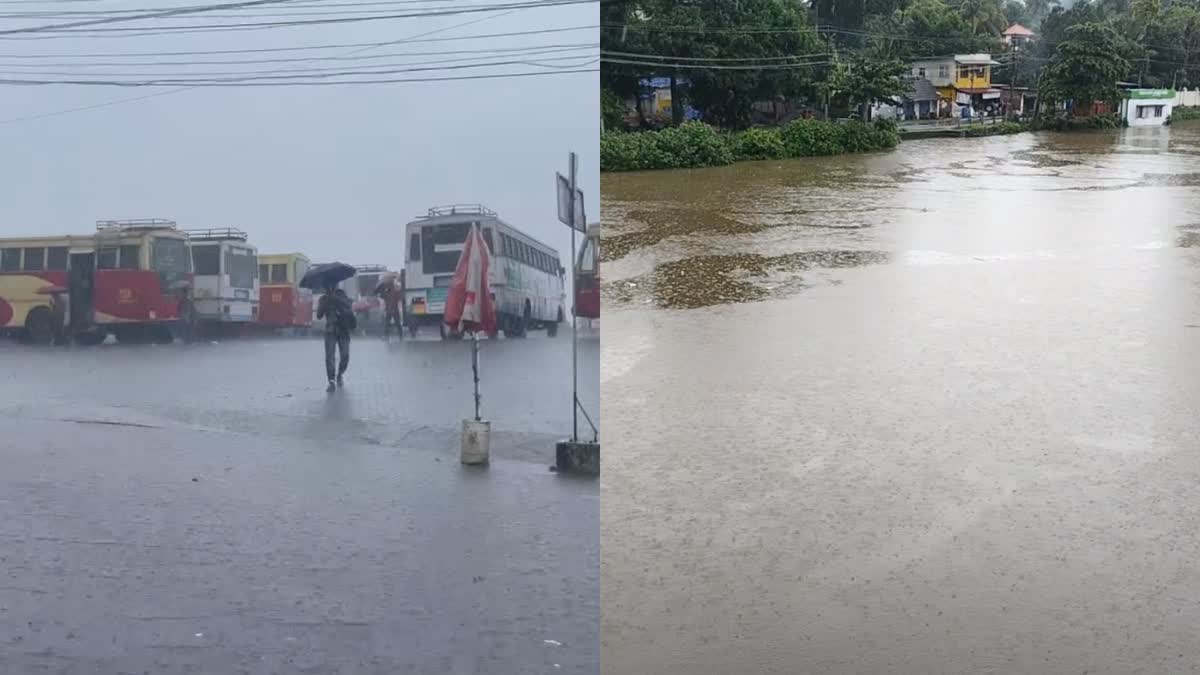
(392, 293)
(335, 307)
(60, 313)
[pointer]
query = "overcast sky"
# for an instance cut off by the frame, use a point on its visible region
(332, 172)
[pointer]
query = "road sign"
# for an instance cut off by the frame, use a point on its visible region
(564, 205)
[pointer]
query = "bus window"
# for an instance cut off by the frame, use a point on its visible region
(487, 236)
(169, 257)
(206, 260)
(240, 268)
(301, 270)
(587, 257)
(56, 259)
(414, 246)
(10, 260)
(129, 258)
(264, 274)
(106, 258)
(279, 273)
(35, 259)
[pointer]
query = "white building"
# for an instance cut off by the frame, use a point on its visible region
(1147, 107)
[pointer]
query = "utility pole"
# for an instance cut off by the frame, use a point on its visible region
(574, 319)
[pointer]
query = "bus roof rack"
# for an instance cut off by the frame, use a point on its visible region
(217, 234)
(460, 209)
(140, 224)
(370, 268)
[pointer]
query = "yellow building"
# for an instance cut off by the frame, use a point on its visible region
(960, 80)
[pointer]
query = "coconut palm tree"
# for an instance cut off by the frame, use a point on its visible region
(984, 16)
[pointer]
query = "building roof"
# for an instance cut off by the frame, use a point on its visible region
(1018, 30)
(921, 90)
(975, 59)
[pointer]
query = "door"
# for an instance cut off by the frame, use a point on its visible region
(81, 282)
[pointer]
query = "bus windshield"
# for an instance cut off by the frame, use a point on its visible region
(170, 258)
(240, 264)
(442, 246)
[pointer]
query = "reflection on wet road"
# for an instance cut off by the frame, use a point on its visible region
(210, 509)
(969, 450)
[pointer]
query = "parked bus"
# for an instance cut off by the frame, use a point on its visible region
(526, 275)
(367, 305)
(225, 277)
(131, 279)
(587, 275)
(282, 303)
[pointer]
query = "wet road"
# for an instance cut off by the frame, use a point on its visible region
(955, 432)
(257, 525)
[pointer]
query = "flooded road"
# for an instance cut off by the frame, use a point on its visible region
(928, 411)
(210, 509)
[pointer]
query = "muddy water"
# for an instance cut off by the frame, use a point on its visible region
(929, 411)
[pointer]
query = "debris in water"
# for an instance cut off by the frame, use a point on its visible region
(199, 634)
(195, 479)
(553, 643)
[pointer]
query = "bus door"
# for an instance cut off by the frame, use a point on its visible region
(81, 284)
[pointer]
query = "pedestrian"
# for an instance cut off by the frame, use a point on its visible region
(335, 307)
(60, 313)
(393, 296)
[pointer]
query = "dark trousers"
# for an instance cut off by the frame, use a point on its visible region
(341, 342)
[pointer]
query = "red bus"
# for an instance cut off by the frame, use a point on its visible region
(131, 279)
(587, 275)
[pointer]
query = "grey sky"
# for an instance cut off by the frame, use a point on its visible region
(333, 172)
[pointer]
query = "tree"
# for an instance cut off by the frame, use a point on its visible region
(862, 82)
(1015, 11)
(1086, 66)
(926, 28)
(983, 16)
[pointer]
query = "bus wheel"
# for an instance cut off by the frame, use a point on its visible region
(163, 335)
(39, 327)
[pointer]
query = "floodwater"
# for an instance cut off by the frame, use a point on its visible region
(928, 411)
(209, 508)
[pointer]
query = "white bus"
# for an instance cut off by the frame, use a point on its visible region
(526, 275)
(225, 277)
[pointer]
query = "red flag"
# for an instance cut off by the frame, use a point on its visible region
(469, 304)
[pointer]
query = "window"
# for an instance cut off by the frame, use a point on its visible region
(1158, 111)
(35, 259)
(206, 260)
(487, 236)
(169, 257)
(264, 274)
(441, 246)
(301, 269)
(944, 71)
(129, 257)
(106, 258)
(56, 259)
(414, 246)
(239, 265)
(921, 71)
(279, 273)
(587, 257)
(10, 260)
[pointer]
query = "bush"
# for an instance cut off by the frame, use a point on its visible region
(612, 110)
(695, 144)
(1000, 129)
(1184, 112)
(1064, 123)
(757, 144)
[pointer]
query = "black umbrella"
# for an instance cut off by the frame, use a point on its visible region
(326, 274)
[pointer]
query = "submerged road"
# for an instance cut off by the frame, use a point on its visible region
(209, 509)
(931, 411)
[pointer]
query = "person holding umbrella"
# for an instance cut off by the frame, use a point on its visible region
(337, 310)
(392, 293)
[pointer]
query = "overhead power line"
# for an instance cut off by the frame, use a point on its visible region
(140, 17)
(59, 31)
(305, 83)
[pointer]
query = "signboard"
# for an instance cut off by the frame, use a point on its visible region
(564, 205)
(1151, 93)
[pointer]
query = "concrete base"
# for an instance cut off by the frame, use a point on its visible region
(476, 441)
(578, 457)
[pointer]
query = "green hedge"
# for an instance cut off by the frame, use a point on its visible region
(696, 144)
(1185, 112)
(999, 129)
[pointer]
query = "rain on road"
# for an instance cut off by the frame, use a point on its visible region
(209, 508)
(927, 411)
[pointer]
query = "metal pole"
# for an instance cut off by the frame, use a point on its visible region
(475, 369)
(574, 326)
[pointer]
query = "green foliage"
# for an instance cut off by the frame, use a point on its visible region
(1001, 129)
(695, 145)
(1086, 66)
(612, 110)
(1062, 123)
(1185, 113)
(926, 28)
(757, 144)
